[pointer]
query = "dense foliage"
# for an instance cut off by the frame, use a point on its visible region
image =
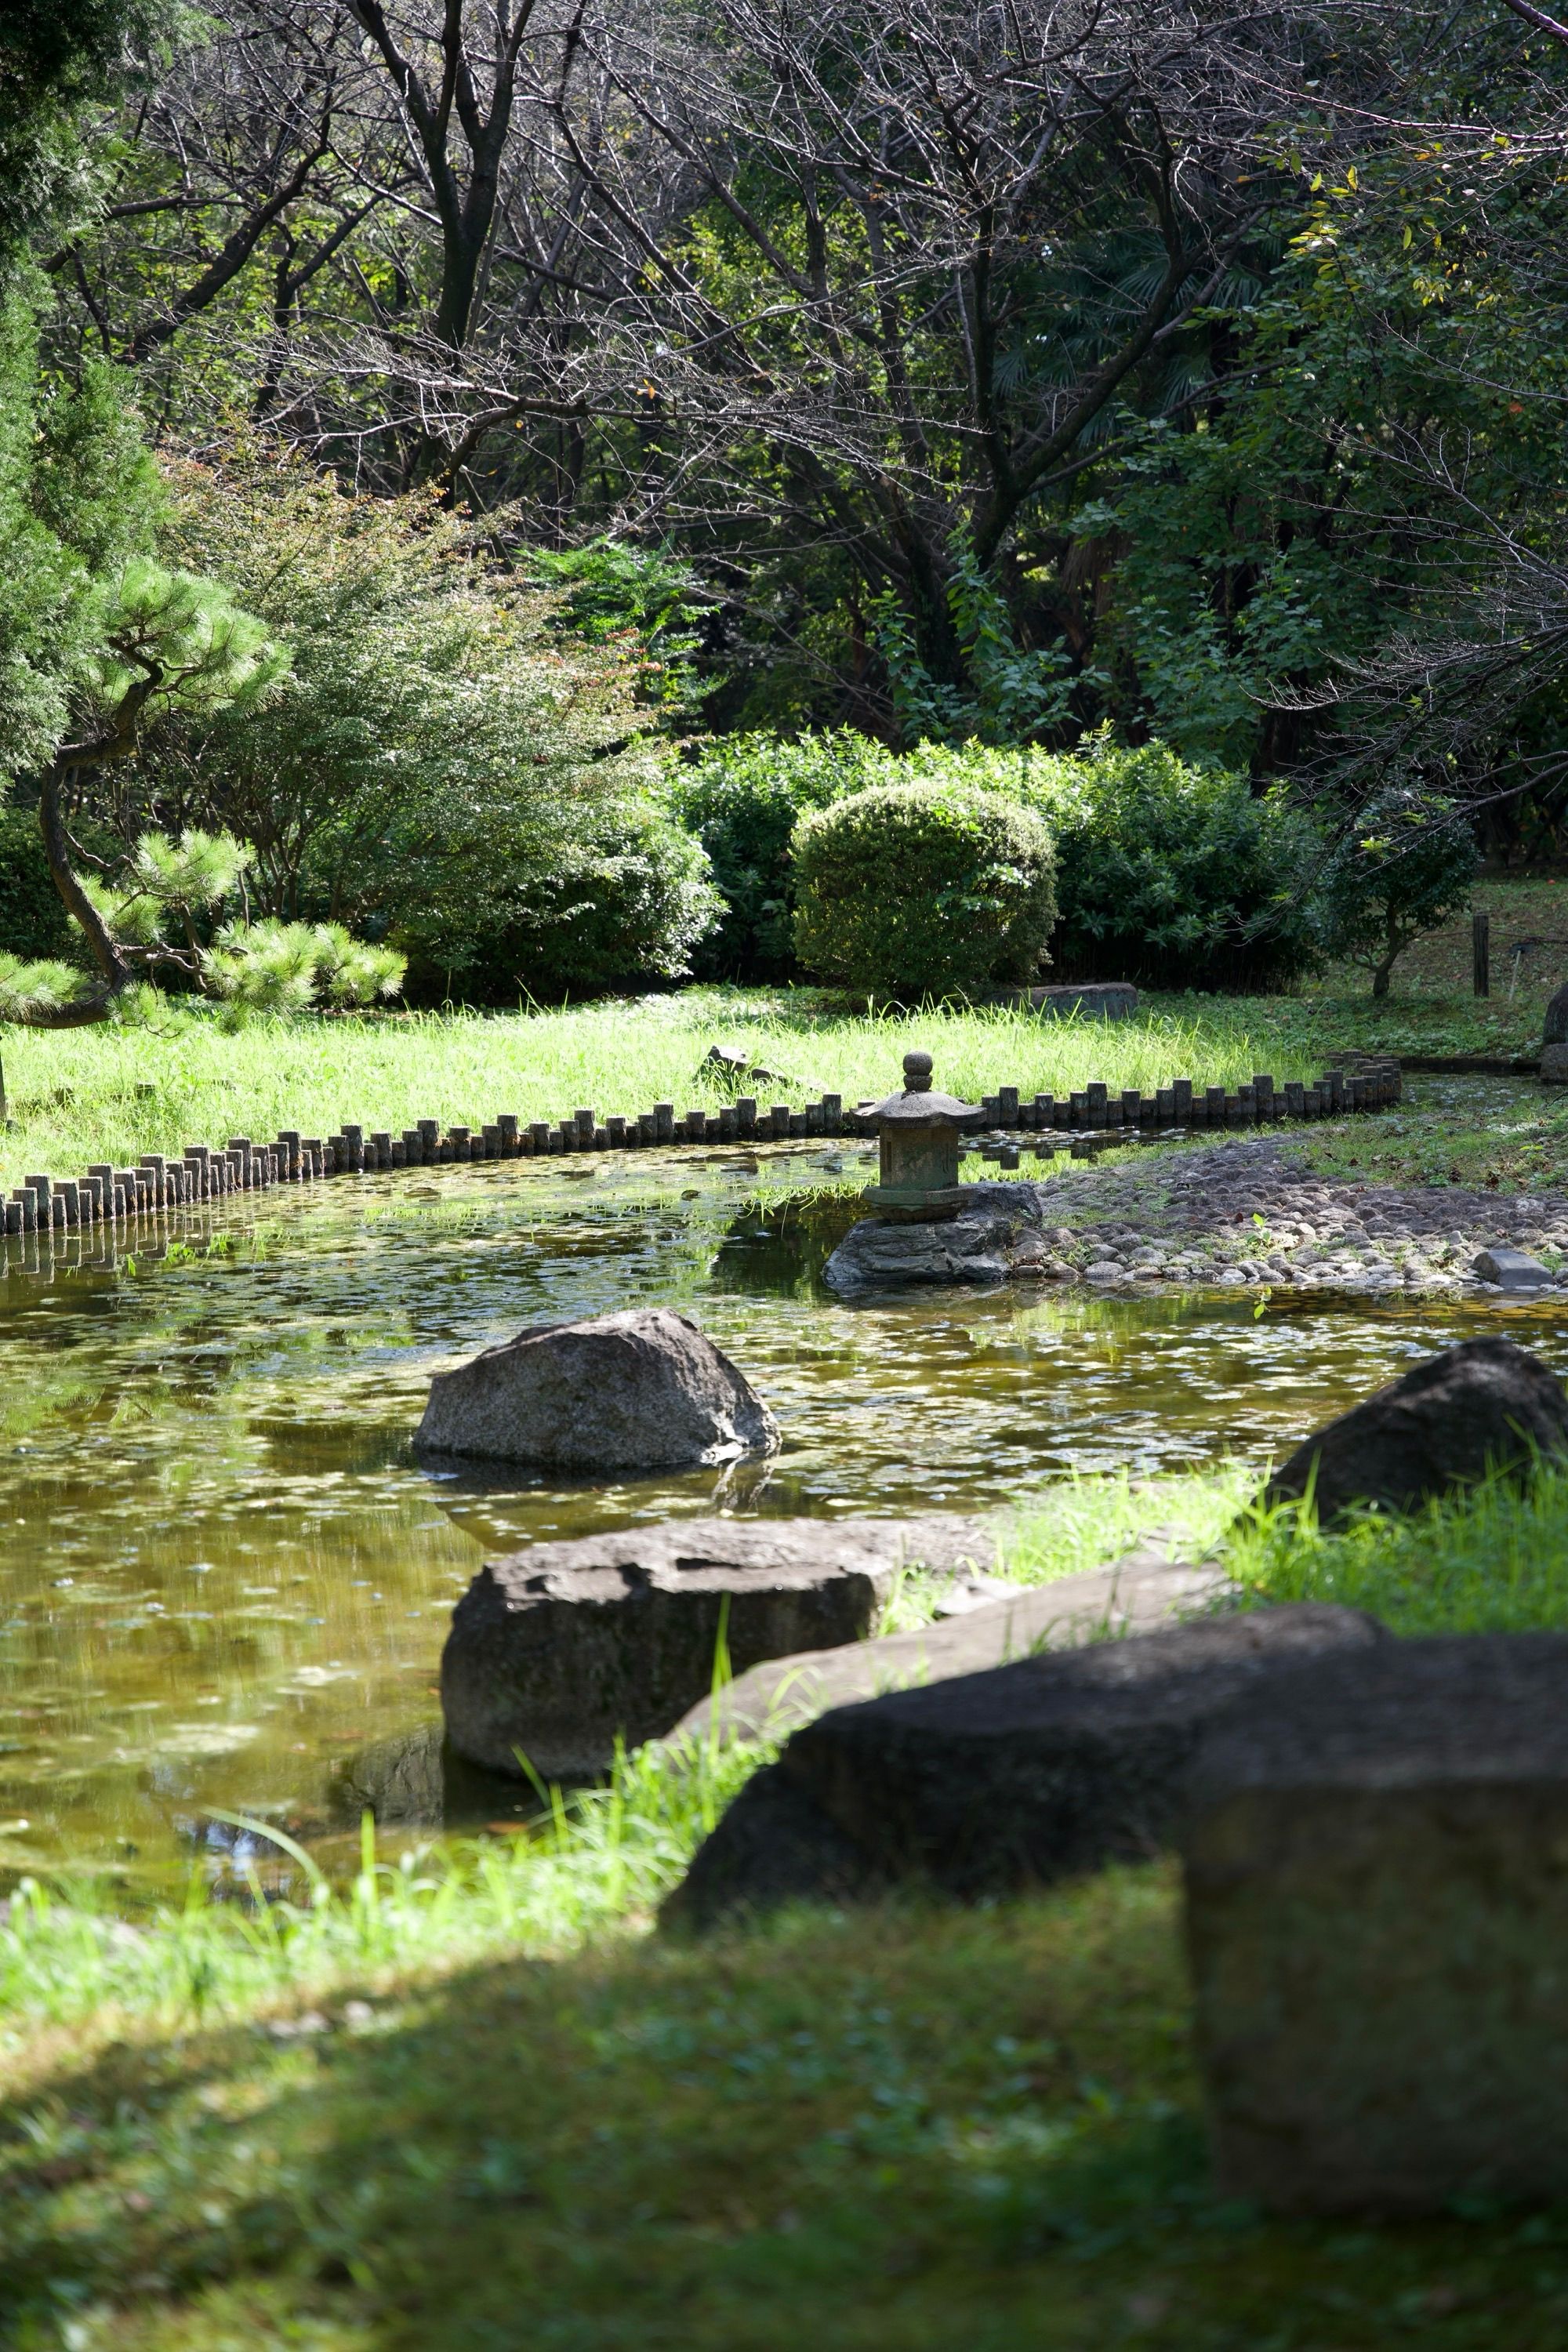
(1169, 872)
(907, 372)
(1178, 876)
(1408, 865)
(923, 889)
(442, 768)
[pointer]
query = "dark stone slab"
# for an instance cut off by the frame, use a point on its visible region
(560, 1649)
(1136, 1594)
(1028, 1774)
(1512, 1269)
(1377, 1914)
(1481, 1406)
(774, 1846)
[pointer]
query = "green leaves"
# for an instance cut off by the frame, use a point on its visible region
(181, 639)
(277, 967)
(28, 989)
(1403, 869)
(922, 888)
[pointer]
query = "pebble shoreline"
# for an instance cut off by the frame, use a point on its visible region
(1252, 1214)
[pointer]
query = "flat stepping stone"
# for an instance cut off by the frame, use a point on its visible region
(989, 1782)
(1143, 1590)
(1512, 1269)
(558, 1652)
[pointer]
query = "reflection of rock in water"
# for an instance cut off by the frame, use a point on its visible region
(781, 1249)
(415, 1782)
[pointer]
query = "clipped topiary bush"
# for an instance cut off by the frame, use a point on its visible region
(924, 889)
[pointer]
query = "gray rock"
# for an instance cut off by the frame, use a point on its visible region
(1554, 1031)
(1134, 1594)
(1511, 1268)
(1554, 1063)
(1093, 1000)
(1032, 1772)
(559, 1650)
(995, 1240)
(1377, 1914)
(1483, 1405)
(643, 1389)
(415, 1780)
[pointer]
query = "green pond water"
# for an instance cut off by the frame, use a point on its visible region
(223, 1576)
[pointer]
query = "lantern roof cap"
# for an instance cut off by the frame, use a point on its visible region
(919, 1105)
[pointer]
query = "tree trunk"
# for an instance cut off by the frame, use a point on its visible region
(116, 972)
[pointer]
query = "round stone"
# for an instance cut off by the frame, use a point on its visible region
(917, 1073)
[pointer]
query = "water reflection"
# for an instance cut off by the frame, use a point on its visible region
(222, 1574)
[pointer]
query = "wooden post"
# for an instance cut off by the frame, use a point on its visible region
(1481, 953)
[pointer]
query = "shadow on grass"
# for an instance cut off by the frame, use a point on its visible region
(927, 2129)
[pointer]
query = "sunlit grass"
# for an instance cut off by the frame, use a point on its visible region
(1492, 1560)
(595, 1864)
(90, 1094)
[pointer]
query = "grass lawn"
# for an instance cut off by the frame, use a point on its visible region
(108, 1094)
(914, 2128)
(85, 1096)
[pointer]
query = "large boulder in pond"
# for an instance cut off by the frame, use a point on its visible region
(1482, 1406)
(993, 1782)
(641, 1390)
(560, 1650)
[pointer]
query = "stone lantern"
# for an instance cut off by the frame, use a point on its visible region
(918, 1132)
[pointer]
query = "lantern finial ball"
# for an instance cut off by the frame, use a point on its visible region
(917, 1073)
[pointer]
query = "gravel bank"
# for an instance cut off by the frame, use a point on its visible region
(1253, 1213)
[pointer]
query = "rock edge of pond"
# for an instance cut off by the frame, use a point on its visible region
(1245, 1215)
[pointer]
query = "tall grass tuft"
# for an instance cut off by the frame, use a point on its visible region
(1491, 1560)
(596, 1863)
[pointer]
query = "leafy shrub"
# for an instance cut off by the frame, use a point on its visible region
(447, 768)
(924, 889)
(1177, 876)
(742, 799)
(33, 919)
(1402, 868)
(1172, 874)
(622, 900)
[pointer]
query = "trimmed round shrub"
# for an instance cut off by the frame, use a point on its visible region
(743, 799)
(924, 889)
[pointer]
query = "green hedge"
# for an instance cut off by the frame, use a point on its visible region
(1175, 876)
(924, 889)
(742, 799)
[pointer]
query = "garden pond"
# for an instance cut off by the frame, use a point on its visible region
(222, 1574)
